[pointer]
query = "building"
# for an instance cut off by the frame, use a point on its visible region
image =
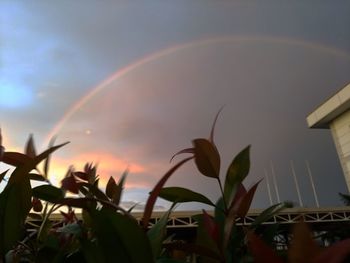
(334, 114)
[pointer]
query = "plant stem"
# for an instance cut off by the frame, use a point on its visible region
(222, 194)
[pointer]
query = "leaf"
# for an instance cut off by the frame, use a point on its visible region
(15, 158)
(247, 201)
(237, 171)
(262, 253)
(239, 207)
(211, 227)
(187, 150)
(183, 195)
(155, 192)
(37, 205)
(205, 233)
(94, 190)
(69, 183)
(15, 204)
(269, 213)
(211, 138)
(157, 232)
(303, 248)
(120, 236)
(111, 187)
(47, 160)
(44, 155)
(81, 175)
(37, 177)
(336, 253)
(48, 193)
(207, 158)
(30, 148)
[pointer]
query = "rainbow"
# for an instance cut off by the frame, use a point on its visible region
(180, 47)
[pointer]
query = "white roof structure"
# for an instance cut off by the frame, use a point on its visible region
(330, 109)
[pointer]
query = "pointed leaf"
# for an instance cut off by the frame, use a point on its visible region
(81, 175)
(30, 148)
(237, 171)
(48, 193)
(211, 138)
(269, 213)
(119, 235)
(207, 158)
(303, 248)
(183, 195)
(211, 227)
(157, 233)
(47, 160)
(155, 192)
(247, 201)
(196, 249)
(336, 253)
(187, 150)
(15, 158)
(262, 253)
(69, 183)
(37, 177)
(111, 187)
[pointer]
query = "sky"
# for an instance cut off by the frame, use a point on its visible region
(129, 83)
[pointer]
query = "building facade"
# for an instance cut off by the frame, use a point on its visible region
(334, 114)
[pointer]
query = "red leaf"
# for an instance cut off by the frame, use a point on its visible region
(262, 253)
(155, 192)
(111, 188)
(247, 199)
(69, 183)
(211, 227)
(15, 158)
(207, 158)
(335, 253)
(81, 175)
(37, 205)
(187, 150)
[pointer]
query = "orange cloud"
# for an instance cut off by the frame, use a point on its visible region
(107, 165)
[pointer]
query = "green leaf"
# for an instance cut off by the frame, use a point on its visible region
(30, 148)
(37, 177)
(269, 213)
(15, 204)
(237, 171)
(48, 193)
(121, 237)
(183, 195)
(157, 233)
(207, 158)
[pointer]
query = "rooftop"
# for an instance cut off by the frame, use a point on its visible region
(330, 109)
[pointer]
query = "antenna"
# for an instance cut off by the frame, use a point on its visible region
(268, 186)
(296, 183)
(312, 182)
(275, 182)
